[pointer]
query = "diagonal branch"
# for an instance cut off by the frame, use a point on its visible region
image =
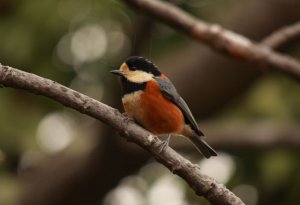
(283, 36)
(217, 37)
(203, 185)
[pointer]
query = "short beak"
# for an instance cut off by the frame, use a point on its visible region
(117, 72)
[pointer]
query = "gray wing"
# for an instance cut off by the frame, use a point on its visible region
(170, 92)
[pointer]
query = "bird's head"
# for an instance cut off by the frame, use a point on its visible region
(137, 70)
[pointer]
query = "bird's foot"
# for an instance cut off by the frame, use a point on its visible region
(127, 118)
(164, 144)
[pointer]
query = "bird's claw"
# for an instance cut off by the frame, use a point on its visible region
(164, 144)
(127, 118)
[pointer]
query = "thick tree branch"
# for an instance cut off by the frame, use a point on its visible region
(219, 38)
(283, 36)
(203, 185)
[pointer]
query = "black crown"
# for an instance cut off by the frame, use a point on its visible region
(140, 63)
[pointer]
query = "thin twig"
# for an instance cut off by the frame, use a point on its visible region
(217, 37)
(203, 185)
(283, 36)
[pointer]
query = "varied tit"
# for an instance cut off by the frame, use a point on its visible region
(151, 99)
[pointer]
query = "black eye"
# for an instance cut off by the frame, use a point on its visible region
(133, 68)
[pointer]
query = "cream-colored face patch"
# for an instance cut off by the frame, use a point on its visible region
(136, 76)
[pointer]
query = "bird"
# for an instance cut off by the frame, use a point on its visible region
(152, 101)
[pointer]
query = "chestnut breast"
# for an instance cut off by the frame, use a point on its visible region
(153, 111)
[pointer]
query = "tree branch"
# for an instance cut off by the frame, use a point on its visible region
(217, 37)
(203, 185)
(263, 135)
(283, 36)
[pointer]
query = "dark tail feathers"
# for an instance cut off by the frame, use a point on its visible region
(203, 147)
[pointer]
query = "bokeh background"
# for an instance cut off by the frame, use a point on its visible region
(50, 154)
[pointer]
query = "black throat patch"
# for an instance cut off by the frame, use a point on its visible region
(130, 87)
